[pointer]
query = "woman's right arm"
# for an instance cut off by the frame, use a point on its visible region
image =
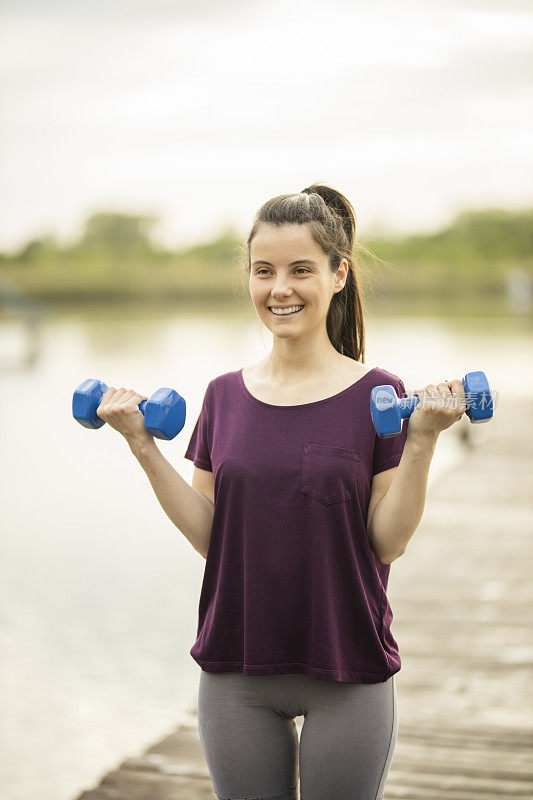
(189, 509)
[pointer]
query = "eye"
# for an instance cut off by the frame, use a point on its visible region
(262, 269)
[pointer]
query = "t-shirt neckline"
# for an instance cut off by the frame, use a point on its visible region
(256, 400)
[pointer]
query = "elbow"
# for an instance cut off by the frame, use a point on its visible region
(390, 559)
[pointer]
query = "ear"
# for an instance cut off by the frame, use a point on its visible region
(341, 275)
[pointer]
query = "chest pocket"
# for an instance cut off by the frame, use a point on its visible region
(328, 473)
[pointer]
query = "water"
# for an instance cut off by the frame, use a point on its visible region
(99, 591)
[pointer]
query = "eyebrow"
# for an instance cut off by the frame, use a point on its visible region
(292, 264)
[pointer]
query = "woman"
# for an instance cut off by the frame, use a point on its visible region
(299, 509)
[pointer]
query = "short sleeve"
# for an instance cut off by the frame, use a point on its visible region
(388, 452)
(199, 448)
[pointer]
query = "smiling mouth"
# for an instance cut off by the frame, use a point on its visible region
(285, 313)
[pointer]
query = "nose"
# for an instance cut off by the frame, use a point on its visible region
(281, 289)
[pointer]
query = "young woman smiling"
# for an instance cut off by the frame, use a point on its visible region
(300, 509)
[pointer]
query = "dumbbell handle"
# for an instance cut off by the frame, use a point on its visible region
(408, 404)
(103, 390)
(142, 406)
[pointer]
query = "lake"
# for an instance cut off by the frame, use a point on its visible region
(99, 591)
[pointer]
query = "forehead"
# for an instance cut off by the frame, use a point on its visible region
(278, 244)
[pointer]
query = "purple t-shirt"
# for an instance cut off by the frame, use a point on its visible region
(291, 584)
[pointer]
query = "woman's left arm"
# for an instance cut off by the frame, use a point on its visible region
(397, 515)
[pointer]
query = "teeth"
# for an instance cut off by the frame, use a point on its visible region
(285, 311)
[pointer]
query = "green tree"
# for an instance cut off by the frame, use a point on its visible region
(118, 234)
(38, 250)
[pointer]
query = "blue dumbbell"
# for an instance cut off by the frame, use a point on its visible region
(164, 411)
(388, 410)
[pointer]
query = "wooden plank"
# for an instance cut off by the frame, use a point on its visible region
(412, 787)
(501, 738)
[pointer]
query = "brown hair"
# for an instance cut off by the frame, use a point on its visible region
(332, 222)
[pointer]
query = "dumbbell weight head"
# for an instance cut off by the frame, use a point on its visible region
(164, 411)
(386, 411)
(86, 399)
(479, 402)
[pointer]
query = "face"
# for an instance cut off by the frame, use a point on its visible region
(288, 268)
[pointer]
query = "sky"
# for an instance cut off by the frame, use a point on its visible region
(199, 112)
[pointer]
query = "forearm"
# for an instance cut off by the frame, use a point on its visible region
(399, 512)
(188, 509)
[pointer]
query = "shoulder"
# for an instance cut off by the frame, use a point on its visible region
(383, 376)
(225, 379)
(221, 384)
(356, 370)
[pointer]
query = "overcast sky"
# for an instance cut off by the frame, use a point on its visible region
(199, 112)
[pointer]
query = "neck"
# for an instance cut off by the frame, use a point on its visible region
(288, 366)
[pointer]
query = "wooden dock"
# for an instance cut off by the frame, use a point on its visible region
(462, 599)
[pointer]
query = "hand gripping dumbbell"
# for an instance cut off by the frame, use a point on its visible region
(388, 410)
(164, 411)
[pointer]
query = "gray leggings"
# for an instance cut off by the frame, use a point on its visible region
(250, 741)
